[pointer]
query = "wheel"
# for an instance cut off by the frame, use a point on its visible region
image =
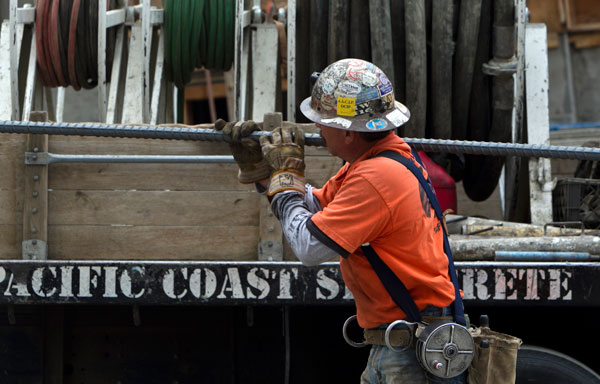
(545, 366)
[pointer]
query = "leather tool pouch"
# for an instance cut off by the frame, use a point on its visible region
(495, 357)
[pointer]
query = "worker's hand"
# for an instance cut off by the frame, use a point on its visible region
(246, 151)
(285, 155)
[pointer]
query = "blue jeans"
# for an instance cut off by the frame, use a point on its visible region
(387, 367)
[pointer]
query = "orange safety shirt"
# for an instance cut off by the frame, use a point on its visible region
(379, 201)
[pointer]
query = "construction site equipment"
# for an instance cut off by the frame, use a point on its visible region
(145, 261)
(207, 133)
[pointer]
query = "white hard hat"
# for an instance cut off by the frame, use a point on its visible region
(356, 95)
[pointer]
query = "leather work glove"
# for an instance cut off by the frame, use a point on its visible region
(285, 154)
(246, 151)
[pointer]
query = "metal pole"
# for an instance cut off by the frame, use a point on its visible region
(205, 132)
(44, 158)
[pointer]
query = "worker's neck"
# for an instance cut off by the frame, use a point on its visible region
(357, 149)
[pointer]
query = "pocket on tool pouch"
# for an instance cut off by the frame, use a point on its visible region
(495, 357)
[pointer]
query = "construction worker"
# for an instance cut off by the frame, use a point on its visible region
(371, 199)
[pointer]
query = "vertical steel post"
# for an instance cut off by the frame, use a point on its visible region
(538, 124)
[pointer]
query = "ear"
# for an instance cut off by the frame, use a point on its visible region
(350, 137)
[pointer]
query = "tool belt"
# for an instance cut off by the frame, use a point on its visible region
(397, 337)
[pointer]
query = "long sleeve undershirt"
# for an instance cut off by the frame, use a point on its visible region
(293, 211)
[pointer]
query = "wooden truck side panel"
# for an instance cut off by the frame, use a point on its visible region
(140, 211)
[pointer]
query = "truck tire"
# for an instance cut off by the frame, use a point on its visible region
(545, 366)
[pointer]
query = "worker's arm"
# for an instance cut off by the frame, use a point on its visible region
(291, 198)
(294, 210)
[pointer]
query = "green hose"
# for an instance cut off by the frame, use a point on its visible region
(186, 29)
(219, 51)
(198, 33)
(229, 34)
(212, 34)
(176, 42)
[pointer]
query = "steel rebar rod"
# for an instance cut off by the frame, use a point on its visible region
(205, 132)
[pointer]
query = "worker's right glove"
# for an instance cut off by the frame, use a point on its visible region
(285, 154)
(246, 151)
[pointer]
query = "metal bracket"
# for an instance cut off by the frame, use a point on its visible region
(38, 158)
(497, 67)
(26, 15)
(257, 15)
(34, 249)
(115, 17)
(157, 16)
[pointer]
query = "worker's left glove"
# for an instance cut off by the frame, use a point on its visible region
(285, 154)
(246, 151)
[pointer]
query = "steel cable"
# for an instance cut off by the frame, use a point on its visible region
(205, 133)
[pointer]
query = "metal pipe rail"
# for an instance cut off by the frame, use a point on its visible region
(205, 132)
(45, 158)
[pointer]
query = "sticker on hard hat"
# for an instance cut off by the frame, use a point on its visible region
(328, 86)
(396, 117)
(385, 87)
(402, 108)
(327, 102)
(376, 124)
(369, 79)
(346, 106)
(367, 94)
(357, 64)
(339, 121)
(349, 87)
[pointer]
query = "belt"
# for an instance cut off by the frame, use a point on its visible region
(398, 337)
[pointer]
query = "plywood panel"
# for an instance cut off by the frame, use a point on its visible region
(149, 208)
(10, 241)
(81, 242)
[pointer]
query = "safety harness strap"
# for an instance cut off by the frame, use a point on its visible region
(392, 283)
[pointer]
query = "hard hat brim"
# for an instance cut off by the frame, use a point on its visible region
(385, 121)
